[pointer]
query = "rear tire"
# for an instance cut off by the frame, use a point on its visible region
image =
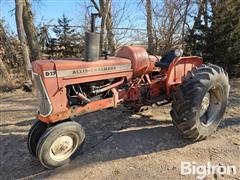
(200, 102)
(59, 143)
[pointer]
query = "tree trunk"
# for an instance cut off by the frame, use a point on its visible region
(103, 24)
(185, 18)
(106, 33)
(199, 14)
(21, 36)
(149, 26)
(110, 36)
(7, 48)
(30, 31)
(197, 21)
(205, 13)
(104, 8)
(4, 75)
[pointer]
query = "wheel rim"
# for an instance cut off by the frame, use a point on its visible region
(211, 105)
(205, 104)
(63, 147)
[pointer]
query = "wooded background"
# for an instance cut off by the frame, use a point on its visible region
(207, 28)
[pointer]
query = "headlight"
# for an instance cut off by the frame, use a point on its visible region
(178, 52)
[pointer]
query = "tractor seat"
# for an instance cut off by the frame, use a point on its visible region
(167, 59)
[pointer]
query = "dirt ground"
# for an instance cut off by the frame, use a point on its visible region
(120, 144)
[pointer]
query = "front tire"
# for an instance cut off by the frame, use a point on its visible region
(34, 134)
(200, 102)
(59, 143)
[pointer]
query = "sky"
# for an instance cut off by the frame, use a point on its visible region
(44, 10)
(48, 11)
(51, 10)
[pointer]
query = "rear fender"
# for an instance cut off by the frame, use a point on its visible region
(178, 70)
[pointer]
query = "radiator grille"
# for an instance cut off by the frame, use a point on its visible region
(45, 105)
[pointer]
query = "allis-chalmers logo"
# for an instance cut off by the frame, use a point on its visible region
(94, 70)
(86, 71)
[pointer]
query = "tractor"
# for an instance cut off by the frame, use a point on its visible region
(73, 87)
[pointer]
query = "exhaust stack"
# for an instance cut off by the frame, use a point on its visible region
(92, 41)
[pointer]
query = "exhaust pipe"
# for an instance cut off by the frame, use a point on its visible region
(92, 45)
(92, 41)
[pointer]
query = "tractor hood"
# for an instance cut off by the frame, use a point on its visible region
(77, 67)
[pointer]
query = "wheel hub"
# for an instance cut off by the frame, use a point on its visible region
(61, 148)
(210, 106)
(205, 104)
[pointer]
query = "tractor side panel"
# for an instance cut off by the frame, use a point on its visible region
(55, 88)
(53, 77)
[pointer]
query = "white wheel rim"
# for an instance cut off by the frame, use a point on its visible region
(205, 104)
(62, 148)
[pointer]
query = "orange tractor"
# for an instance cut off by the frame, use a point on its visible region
(71, 87)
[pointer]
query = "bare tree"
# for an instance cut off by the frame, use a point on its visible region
(185, 17)
(6, 44)
(169, 25)
(3, 70)
(149, 27)
(104, 11)
(120, 16)
(205, 13)
(116, 27)
(95, 5)
(4, 75)
(197, 19)
(30, 31)
(110, 36)
(106, 32)
(21, 36)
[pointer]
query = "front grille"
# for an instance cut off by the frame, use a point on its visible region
(45, 105)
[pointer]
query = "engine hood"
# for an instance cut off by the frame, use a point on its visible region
(77, 67)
